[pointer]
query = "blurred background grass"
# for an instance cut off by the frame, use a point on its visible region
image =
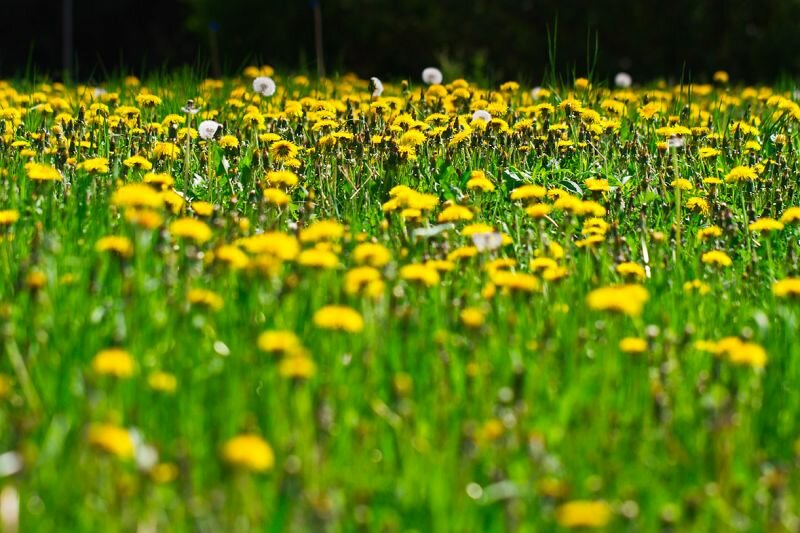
(494, 39)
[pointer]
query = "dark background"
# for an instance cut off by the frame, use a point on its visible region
(495, 40)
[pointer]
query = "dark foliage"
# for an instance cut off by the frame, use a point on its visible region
(495, 38)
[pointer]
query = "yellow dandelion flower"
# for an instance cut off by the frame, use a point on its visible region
(278, 341)
(472, 317)
(721, 76)
(191, 229)
(697, 286)
(121, 246)
(582, 84)
(625, 299)
(111, 439)
(113, 362)
(297, 367)
(280, 245)
(161, 180)
(716, 258)
(229, 142)
(765, 225)
(580, 513)
(741, 174)
(464, 252)
(372, 254)
(318, 258)
(281, 151)
(597, 184)
(791, 215)
(166, 150)
(631, 270)
(203, 209)
(748, 354)
(538, 210)
(698, 204)
(787, 288)
(682, 184)
(276, 197)
(633, 345)
(420, 273)
(42, 172)
(95, 165)
(322, 230)
(8, 217)
(287, 178)
(709, 232)
(707, 152)
(36, 279)
(337, 317)
(528, 192)
(516, 281)
(164, 473)
(206, 298)
(162, 382)
(359, 278)
(138, 162)
(137, 195)
(455, 213)
(249, 452)
(148, 100)
(231, 255)
(143, 217)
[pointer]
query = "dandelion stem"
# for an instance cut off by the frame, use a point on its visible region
(188, 152)
(24, 378)
(746, 228)
(678, 220)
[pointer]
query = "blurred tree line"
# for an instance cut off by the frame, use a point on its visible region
(495, 39)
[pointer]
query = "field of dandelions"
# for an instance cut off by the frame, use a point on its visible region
(279, 303)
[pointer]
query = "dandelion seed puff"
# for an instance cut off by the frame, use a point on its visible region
(432, 76)
(535, 92)
(146, 457)
(264, 85)
(675, 142)
(10, 463)
(432, 231)
(623, 80)
(487, 241)
(208, 128)
(190, 108)
(376, 86)
(482, 114)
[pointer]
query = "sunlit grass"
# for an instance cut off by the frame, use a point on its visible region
(439, 307)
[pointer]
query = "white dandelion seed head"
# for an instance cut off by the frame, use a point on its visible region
(487, 241)
(146, 457)
(675, 142)
(376, 85)
(432, 76)
(264, 85)
(623, 80)
(208, 128)
(482, 114)
(10, 463)
(98, 92)
(432, 231)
